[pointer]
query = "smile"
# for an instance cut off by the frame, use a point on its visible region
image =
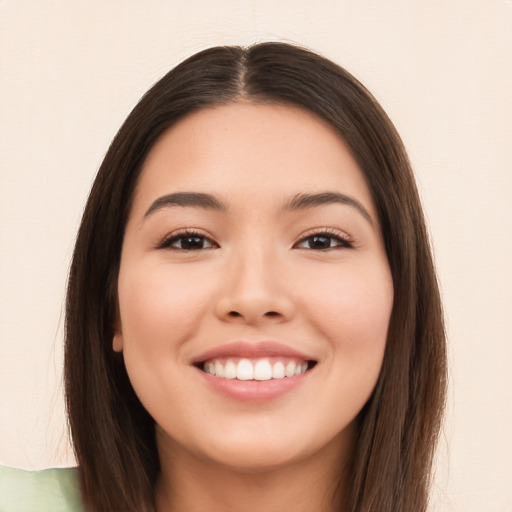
(260, 369)
(254, 372)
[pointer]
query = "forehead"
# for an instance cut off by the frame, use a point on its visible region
(251, 151)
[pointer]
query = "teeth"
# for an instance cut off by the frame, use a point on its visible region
(219, 369)
(290, 369)
(244, 370)
(261, 369)
(230, 370)
(278, 370)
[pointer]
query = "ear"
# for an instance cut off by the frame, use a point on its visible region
(117, 341)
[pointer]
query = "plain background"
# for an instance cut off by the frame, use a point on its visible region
(70, 71)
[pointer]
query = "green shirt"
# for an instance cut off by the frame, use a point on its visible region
(50, 490)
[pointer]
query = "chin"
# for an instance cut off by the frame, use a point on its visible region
(255, 460)
(256, 454)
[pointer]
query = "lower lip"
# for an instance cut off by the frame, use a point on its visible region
(254, 390)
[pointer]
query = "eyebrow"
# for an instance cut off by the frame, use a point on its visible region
(304, 201)
(193, 199)
(300, 201)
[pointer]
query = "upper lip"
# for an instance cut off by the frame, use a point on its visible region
(249, 350)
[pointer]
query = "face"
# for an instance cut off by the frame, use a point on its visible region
(254, 289)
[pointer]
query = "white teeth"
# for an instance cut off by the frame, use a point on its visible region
(244, 370)
(278, 370)
(219, 369)
(290, 369)
(230, 370)
(261, 369)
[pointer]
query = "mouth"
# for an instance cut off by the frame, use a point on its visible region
(254, 372)
(257, 369)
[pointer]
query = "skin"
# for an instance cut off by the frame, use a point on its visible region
(259, 276)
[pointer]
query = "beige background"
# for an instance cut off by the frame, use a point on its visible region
(70, 71)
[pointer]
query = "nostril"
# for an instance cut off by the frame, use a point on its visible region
(268, 314)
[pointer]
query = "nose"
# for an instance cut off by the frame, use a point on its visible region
(254, 291)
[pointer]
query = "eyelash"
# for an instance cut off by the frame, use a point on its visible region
(180, 235)
(342, 240)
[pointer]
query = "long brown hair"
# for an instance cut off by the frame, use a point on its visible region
(113, 435)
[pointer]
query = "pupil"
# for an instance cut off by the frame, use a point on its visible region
(320, 242)
(192, 242)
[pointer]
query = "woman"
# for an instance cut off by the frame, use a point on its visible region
(253, 320)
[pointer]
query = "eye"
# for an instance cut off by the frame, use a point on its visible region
(187, 241)
(324, 240)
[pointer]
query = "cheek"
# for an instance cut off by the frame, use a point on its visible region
(159, 308)
(352, 308)
(357, 297)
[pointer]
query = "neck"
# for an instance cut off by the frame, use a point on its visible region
(197, 485)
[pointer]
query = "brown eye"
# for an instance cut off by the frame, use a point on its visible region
(188, 242)
(323, 241)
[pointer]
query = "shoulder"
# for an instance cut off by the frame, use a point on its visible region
(50, 490)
